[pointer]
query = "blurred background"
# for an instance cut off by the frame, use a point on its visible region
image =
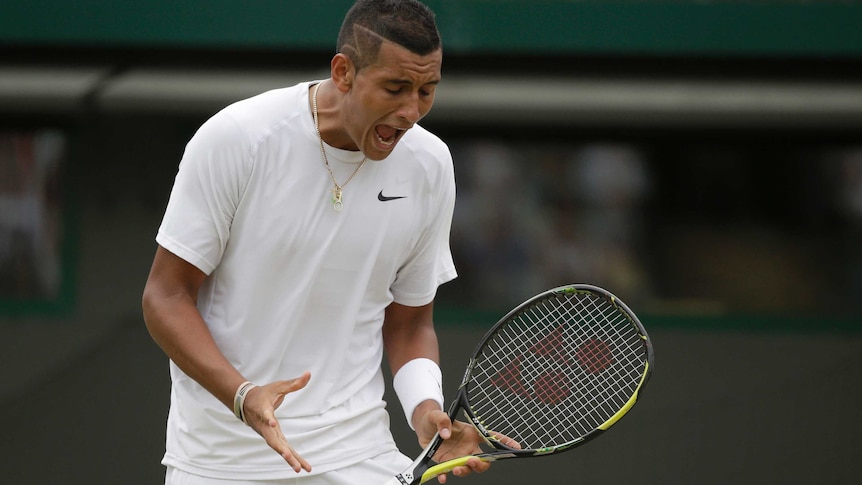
(700, 159)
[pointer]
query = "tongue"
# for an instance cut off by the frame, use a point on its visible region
(385, 132)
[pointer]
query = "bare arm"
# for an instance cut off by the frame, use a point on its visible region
(408, 333)
(172, 318)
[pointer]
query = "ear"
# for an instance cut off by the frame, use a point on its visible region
(343, 72)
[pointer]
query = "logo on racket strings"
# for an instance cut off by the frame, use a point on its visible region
(543, 372)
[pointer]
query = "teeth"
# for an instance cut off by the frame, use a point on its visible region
(392, 141)
(384, 142)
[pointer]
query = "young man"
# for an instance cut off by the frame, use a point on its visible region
(306, 233)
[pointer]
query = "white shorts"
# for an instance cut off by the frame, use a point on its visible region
(376, 470)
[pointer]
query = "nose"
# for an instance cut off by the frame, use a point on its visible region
(410, 109)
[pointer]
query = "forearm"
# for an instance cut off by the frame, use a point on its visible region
(178, 328)
(408, 335)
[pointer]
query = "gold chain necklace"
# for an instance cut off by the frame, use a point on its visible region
(337, 203)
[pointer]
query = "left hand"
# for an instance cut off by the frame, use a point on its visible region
(459, 439)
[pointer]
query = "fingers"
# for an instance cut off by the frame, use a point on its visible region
(474, 465)
(463, 440)
(507, 441)
(271, 432)
(296, 462)
(259, 408)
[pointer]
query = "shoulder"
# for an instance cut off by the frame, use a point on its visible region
(249, 120)
(421, 140)
(428, 150)
(431, 163)
(228, 144)
(273, 103)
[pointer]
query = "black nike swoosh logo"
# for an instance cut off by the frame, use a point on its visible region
(383, 198)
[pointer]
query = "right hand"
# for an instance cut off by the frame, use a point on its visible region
(259, 408)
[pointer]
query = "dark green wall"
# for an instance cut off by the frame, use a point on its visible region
(788, 28)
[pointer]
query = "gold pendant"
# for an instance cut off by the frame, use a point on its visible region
(337, 205)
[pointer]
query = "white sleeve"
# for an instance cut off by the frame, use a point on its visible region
(430, 264)
(208, 187)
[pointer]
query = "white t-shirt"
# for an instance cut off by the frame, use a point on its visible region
(293, 285)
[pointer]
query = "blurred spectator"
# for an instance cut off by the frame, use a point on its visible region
(30, 215)
(529, 218)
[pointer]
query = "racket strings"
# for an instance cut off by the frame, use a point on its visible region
(609, 319)
(557, 370)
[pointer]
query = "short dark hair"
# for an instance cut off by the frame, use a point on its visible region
(408, 23)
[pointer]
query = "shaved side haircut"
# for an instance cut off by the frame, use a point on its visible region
(408, 23)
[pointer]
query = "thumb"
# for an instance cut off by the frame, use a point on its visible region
(283, 388)
(299, 382)
(444, 425)
(291, 385)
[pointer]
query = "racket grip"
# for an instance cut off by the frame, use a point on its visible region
(444, 467)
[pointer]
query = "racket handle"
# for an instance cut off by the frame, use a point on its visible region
(444, 467)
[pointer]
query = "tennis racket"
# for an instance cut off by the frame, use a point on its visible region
(554, 373)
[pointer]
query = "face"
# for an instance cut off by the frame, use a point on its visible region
(388, 97)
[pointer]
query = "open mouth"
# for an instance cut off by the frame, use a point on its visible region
(388, 135)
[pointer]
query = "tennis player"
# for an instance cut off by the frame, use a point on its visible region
(306, 233)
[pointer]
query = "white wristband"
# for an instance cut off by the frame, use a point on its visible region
(417, 381)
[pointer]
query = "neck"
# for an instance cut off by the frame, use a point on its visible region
(331, 131)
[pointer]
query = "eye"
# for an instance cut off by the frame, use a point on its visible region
(395, 90)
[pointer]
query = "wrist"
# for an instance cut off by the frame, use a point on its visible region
(419, 385)
(239, 400)
(425, 407)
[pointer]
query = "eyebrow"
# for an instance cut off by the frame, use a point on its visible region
(409, 83)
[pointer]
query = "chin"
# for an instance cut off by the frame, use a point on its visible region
(376, 157)
(375, 153)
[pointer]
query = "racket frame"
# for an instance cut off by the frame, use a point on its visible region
(420, 471)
